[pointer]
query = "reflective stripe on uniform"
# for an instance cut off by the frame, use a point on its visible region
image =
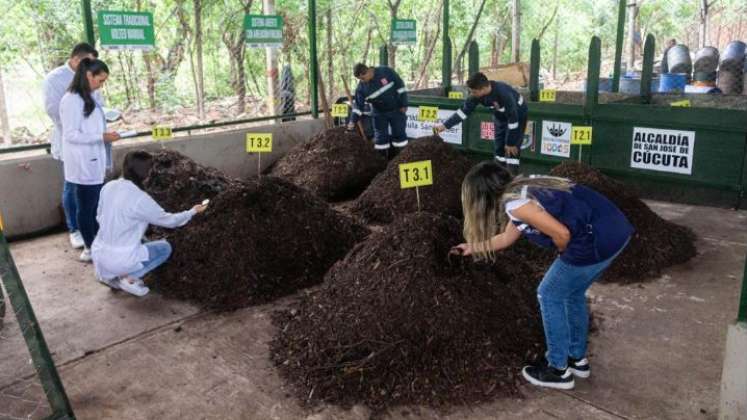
(513, 126)
(399, 143)
(521, 100)
(357, 111)
(402, 90)
(381, 146)
(511, 161)
(380, 91)
(500, 158)
(461, 114)
(502, 109)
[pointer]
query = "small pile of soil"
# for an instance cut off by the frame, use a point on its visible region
(335, 164)
(257, 241)
(656, 244)
(177, 182)
(384, 201)
(399, 321)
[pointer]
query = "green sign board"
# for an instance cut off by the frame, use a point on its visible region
(403, 32)
(264, 30)
(126, 30)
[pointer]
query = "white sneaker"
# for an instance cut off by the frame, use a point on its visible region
(85, 256)
(113, 283)
(132, 286)
(76, 240)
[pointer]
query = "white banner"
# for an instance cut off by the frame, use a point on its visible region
(417, 128)
(663, 150)
(556, 138)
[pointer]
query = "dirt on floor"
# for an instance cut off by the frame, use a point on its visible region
(400, 321)
(384, 201)
(657, 244)
(335, 164)
(257, 241)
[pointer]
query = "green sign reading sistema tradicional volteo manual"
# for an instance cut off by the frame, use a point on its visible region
(126, 30)
(264, 30)
(403, 32)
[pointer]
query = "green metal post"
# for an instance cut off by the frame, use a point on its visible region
(383, 56)
(534, 69)
(32, 333)
(742, 315)
(314, 71)
(619, 45)
(649, 49)
(88, 21)
(592, 76)
(474, 58)
(446, 67)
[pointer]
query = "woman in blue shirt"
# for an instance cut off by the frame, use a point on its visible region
(586, 229)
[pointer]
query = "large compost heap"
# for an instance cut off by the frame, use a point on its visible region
(335, 164)
(257, 240)
(656, 244)
(399, 321)
(384, 201)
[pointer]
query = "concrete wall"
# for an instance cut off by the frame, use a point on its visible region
(31, 187)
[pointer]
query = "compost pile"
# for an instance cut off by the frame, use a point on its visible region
(256, 241)
(177, 182)
(656, 244)
(399, 321)
(335, 164)
(384, 201)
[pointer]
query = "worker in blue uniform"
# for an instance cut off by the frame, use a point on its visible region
(587, 230)
(509, 115)
(383, 89)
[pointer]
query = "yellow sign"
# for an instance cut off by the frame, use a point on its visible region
(581, 136)
(456, 95)
(415, 174)
(548, 95)
(161, 133)
(340, 110)
(2, 228)
(259, 142)
(428, 113)
(684, 104)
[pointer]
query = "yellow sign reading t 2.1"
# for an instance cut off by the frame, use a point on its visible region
(161, 133)
(581, 136)
(415, 174)
(428, 113)
(340, 110)
(548, 95)
(259, 142)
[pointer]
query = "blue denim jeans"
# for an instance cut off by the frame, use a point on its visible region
(158, 253)
(69, 206)
(562, 298)
(87, 201)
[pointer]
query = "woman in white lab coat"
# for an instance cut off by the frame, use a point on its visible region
(124, 213)
(86, 144)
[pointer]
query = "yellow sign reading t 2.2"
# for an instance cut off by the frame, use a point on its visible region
(415, 174)
(456, 95)
(428, 113)
(259, 142)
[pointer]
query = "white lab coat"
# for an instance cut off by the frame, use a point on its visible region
(124, 213)
(55, 85)
(86, 155)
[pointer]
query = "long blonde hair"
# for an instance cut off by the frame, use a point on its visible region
(485, 191)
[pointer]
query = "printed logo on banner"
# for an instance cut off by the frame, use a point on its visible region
(556, 138)
(663, 150)
(416, 128)
(487, 130)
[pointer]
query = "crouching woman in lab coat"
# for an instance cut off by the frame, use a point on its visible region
(124, 213)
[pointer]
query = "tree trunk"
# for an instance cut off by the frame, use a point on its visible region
(330, 57)
(125, 78)
(151, 82)
(633, 16)
(460, 56)
(392, 49)
(4, 120)
(516, 32)
(555, 51)
(703, 27)
(430, 47)
(200, 76)
(367, 49)
(272, 67)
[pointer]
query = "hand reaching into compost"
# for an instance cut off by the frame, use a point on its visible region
(461, 249)
(200, 208)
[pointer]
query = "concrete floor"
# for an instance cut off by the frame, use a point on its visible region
(657, 355)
